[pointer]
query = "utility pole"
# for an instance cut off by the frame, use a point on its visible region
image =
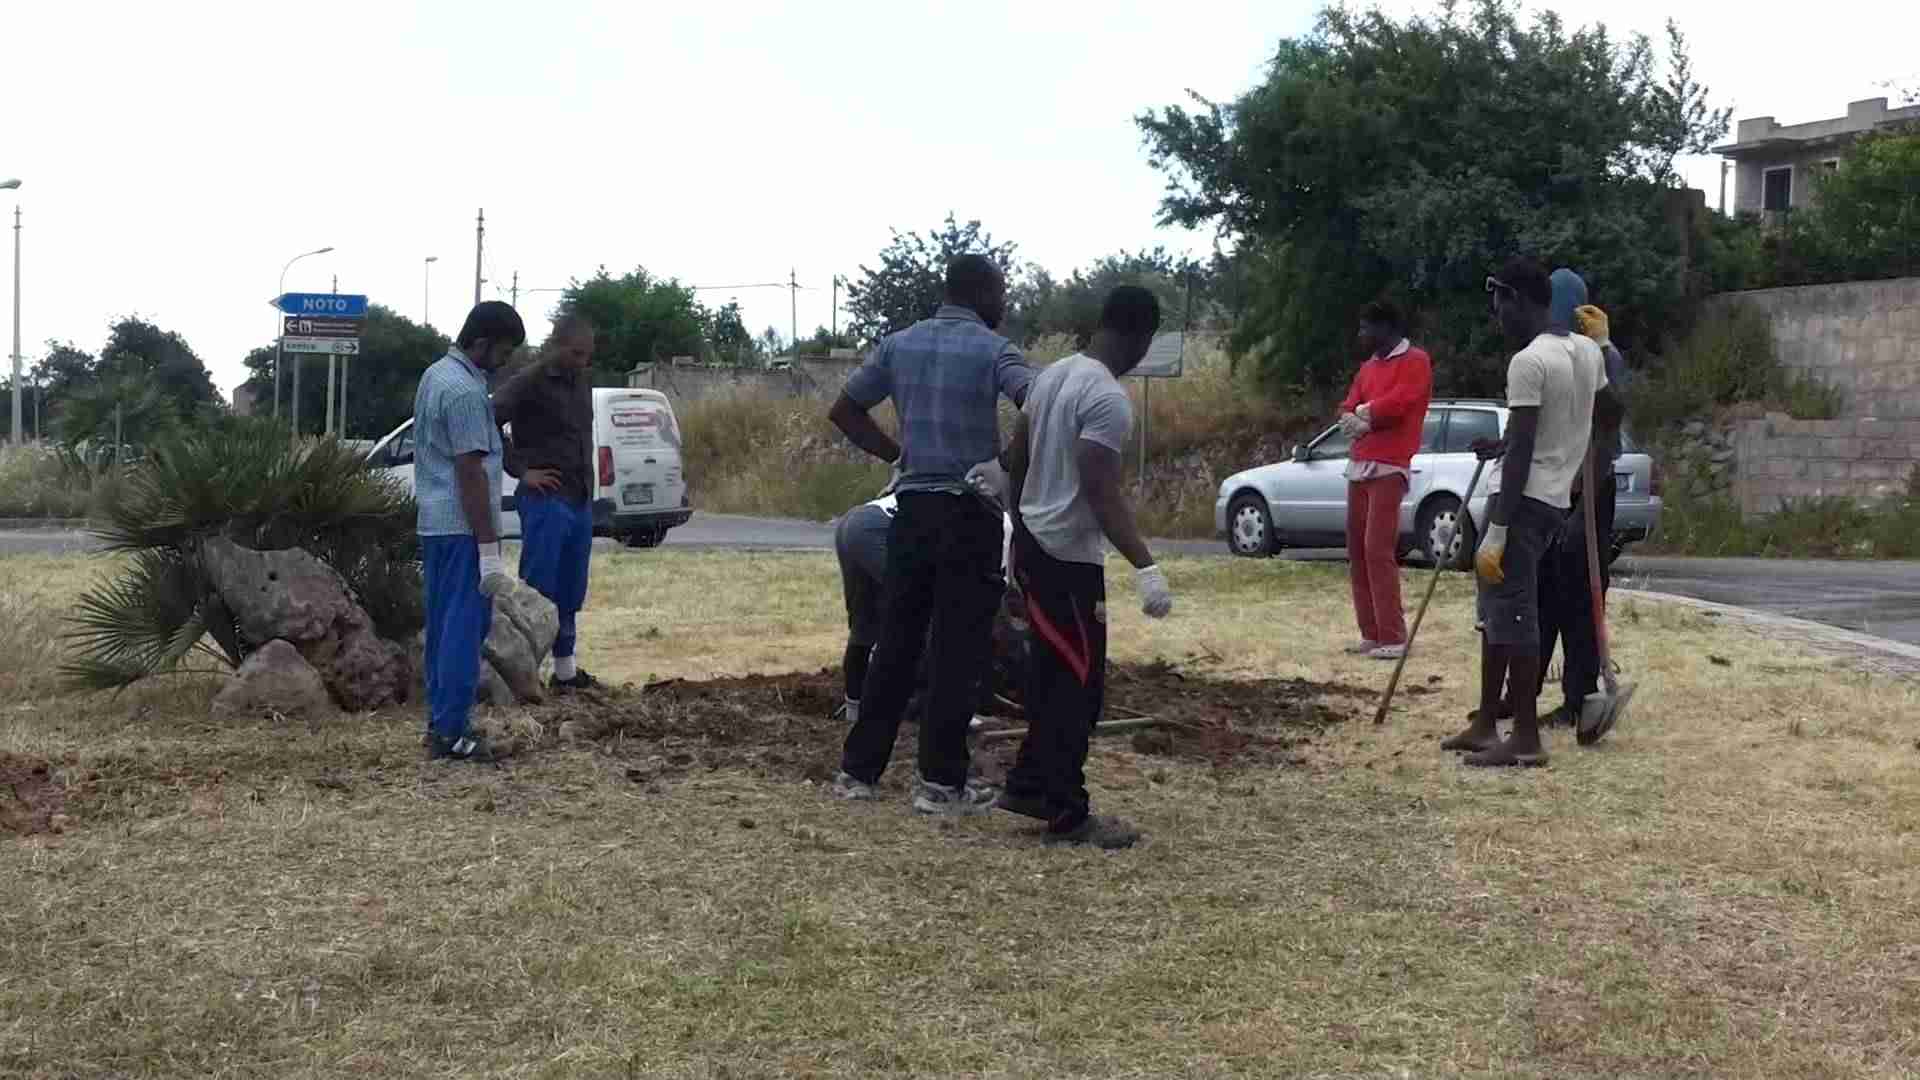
(835, 321)
(17, 440)
(515, 302)
(479, 250)
(793, 313)
(1724, 164)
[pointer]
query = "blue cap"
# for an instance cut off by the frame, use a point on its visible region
(1569, 292)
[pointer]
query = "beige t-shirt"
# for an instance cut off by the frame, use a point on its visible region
(1076, 398)
(1559, 373)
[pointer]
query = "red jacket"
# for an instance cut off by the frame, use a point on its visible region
(1396, 391)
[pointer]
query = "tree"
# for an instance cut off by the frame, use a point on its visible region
(640, 319)
(1865, 221)
(728, 334)
(1044, 305)
(771, 343)
(911, 278)
(1412, 158)
(394, 352)
(138, 349)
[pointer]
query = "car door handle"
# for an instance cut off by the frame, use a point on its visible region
(650, 461)
(1417, 472)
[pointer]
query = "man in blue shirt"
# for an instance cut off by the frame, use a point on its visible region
(945, 376)
(456, 476)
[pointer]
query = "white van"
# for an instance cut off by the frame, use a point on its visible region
(640, 487)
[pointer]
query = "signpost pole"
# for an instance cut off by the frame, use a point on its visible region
(333, 364)
(294, 406)
(346, 365)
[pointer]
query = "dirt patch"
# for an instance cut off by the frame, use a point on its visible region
(786, 724)
(30, 801)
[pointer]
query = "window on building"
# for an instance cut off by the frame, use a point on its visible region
(1776, 189)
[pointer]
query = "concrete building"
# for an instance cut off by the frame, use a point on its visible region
(1775, 165)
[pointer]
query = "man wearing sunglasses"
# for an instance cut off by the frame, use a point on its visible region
(1553, 392)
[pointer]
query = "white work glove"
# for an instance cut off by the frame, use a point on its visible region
(1487, 562)
(1156, 599)
(495, 578)
(1351, 425)
(1365, 413)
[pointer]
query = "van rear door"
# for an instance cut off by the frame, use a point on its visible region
(639, 455)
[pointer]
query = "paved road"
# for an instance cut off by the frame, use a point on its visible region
(1878, 598)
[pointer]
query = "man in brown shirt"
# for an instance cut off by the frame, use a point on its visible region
(550, 408)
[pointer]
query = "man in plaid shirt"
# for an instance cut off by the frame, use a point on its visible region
(945, 376)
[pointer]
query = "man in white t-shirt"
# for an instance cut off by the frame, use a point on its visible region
(1065, 469)
(1553, 389)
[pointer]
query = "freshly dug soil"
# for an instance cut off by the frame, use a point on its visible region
(785, 725)
(30, 801)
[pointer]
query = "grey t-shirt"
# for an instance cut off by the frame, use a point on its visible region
(1076, 398)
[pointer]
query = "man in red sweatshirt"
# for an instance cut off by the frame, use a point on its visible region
(1383, 414)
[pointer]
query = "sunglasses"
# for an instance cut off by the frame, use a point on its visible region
(1495, 290)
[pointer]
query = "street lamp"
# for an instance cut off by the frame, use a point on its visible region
(14, 185)
(279, 339)
(426, 292)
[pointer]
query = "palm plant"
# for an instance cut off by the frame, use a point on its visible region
(248, 482)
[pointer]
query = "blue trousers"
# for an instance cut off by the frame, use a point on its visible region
(556, 544)
(458, 617)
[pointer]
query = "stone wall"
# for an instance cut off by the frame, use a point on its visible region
(809, 378)
(1781, 458)
(1860, 336)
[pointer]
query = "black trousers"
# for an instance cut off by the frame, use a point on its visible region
(1566, 601)
(1066, 678)
(943, 569)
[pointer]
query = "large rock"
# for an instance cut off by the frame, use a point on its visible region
(278, 595)
(362, 672)
(493, 689)
(291, 596)
(275, 679)
(532, 614)
(512, 655)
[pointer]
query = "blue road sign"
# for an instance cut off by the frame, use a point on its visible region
(339, 306)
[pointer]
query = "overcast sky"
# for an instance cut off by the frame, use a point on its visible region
(174, 156)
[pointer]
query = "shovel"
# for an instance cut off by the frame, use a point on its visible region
(1439, 564)
(1606, 707)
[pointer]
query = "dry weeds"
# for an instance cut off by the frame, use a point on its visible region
(1724, 888)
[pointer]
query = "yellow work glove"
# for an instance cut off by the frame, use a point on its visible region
(1591, 322)
(1487, 562)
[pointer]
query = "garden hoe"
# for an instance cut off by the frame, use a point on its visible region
(1439, 564)
(1603, 708)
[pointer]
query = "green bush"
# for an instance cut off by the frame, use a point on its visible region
(1819, 527)
(1727, 359)
(249, 483)
(47, 482)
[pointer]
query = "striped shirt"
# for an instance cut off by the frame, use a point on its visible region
(452, 416)
(945, 376)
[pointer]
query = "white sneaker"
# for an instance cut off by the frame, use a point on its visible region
(1388, 652)
(1361, 647)
(846, 787)
(932, 798)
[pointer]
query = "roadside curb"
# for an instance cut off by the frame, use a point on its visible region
(45, 524)
(1880, 655)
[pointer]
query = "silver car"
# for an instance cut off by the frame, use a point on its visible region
(1303, 503)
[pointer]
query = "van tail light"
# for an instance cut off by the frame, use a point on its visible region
(1656, 481)
(606, 466)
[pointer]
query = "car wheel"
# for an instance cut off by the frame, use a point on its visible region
(645, 538)
(1250, 527)
(1443, 511)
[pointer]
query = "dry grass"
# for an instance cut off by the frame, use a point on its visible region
(1726, 888)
